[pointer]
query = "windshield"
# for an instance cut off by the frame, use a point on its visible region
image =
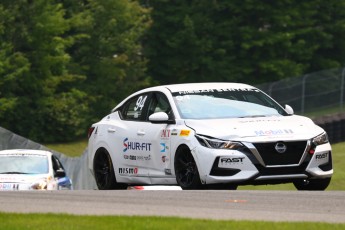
(23, 164)
(217, 104)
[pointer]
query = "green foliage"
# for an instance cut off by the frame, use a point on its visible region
(63, 64)
(36, 86)
(110, 54)
(243, 40)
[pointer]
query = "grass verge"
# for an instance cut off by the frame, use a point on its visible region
(71, 149)
(64, 221)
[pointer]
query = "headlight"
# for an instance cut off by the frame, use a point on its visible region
(40, 185)
(321, 139)
(218, 144)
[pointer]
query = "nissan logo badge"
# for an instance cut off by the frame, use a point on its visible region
(280, 147)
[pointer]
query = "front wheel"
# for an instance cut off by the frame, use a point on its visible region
(187, 174)
(104, 172)
(312, 184)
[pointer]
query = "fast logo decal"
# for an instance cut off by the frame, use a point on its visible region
(184, 133)
(321, 156)
(231, 160)
(273, 132)
(139, 146)
(128, 171)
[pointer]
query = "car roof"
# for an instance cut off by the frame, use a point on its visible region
(25, 151)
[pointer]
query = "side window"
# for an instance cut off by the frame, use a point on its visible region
(58, 169)
(159, 103)
(134, 108)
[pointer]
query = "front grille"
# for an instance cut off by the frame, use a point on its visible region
(292, 155)
(282, 170)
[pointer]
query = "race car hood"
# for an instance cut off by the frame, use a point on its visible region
(257, 129)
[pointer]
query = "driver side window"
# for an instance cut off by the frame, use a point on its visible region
(159, 103)
(134, 109)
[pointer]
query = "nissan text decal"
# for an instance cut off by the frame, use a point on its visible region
(273, 132)
(128, 170)
(140, 146)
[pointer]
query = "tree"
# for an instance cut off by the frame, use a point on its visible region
(109, 54)
(37, 89)
(243, 40)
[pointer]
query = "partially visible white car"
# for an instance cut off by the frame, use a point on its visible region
(27, 169)
(207, 135)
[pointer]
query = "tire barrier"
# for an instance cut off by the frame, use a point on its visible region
(334, 125)
(76, 167)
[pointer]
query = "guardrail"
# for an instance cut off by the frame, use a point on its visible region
(334, 125)
(312, 92)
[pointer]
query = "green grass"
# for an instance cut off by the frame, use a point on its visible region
(63, 221)
(72, 149)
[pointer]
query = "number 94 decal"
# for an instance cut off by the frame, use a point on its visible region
(140, 103)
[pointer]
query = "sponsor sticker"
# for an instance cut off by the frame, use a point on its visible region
(131, 171)
(231, 160)
(9, 186)
(218, 90)
(165, 159)
(165, 134)
(273, 132)
(137, 158)
(184, 133)
(162, 147)
(138, 146)
(321, 156)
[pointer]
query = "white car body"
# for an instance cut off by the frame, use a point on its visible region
(232, 141)
(27, 169)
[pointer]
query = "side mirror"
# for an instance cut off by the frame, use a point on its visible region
(160, 118)
(289, 109)
(60, 173)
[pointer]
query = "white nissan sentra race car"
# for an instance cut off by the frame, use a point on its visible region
(24, 169)
(207, 135)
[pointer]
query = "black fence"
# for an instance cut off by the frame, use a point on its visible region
(334, 125)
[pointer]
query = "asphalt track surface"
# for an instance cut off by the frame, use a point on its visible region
(226, 205)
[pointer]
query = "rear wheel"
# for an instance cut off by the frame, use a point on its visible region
(104, 172)
(312, 184)
(187, 174)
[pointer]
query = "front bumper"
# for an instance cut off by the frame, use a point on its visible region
(258, 164)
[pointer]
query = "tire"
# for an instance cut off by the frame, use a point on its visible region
(104, 172)
(312, 184)
(186, 170)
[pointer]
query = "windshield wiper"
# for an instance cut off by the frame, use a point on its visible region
(252, 116)
(13, 173)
